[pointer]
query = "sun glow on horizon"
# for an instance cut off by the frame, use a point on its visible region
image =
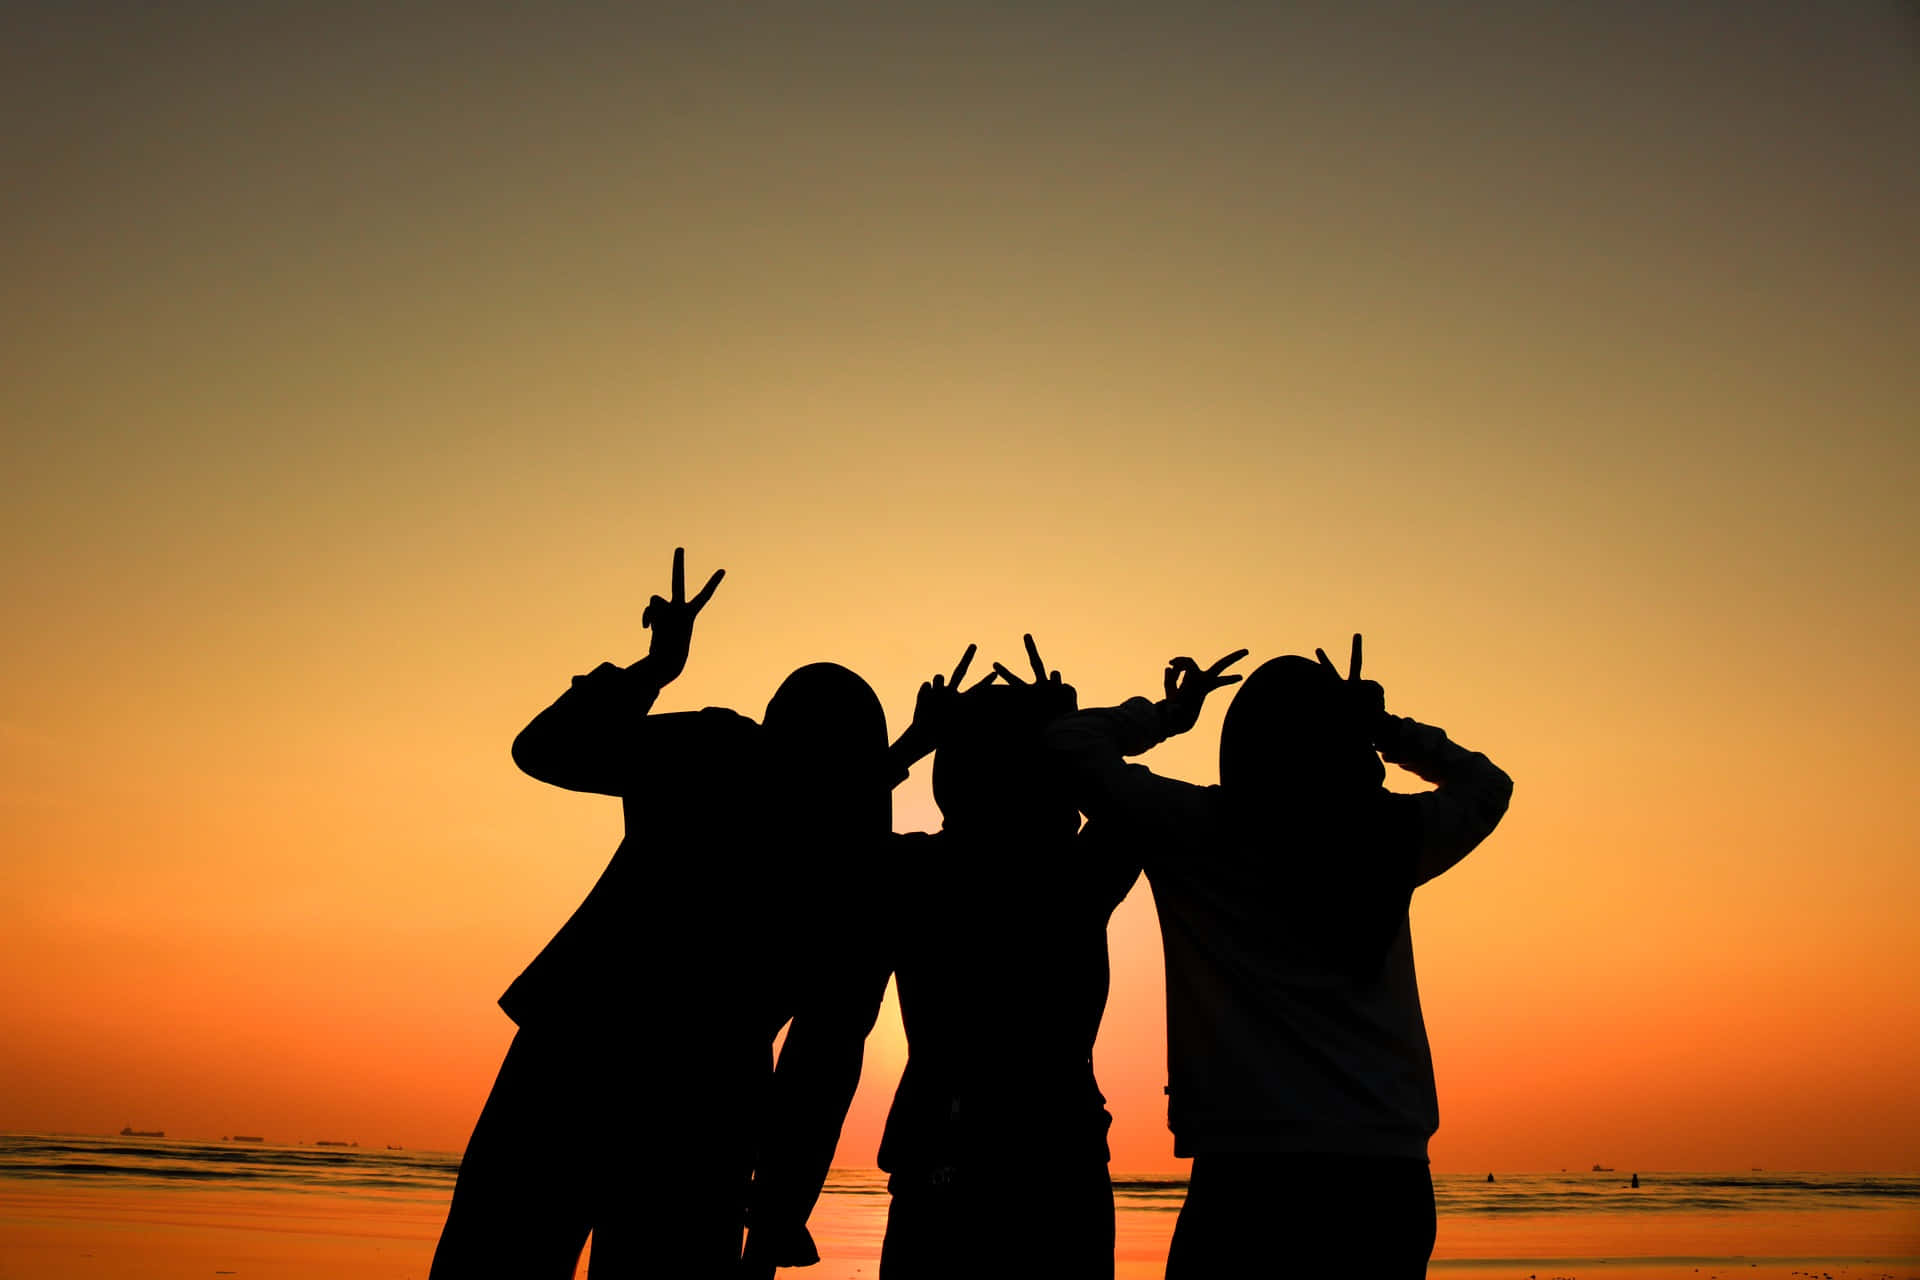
(369, 370)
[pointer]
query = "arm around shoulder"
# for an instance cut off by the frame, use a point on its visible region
(1090, 747)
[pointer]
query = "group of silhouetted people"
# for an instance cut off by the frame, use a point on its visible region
(759, 886)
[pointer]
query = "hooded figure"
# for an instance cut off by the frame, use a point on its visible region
(1292, 736)
(627, 1103)
(1299, 1076)
(1301, 794)
(825, 753)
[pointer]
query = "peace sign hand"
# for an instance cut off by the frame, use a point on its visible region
(933, 708)
(1063, 696)
(1366, 700)
(672, 620)
(1187, 687)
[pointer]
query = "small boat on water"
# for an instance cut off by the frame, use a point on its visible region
(244, 1137)
(1603, 1168)
(131, 1132)
(324, 1142)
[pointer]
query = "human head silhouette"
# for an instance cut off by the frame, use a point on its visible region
(992, 772)
(1292, 734)
(826, 736)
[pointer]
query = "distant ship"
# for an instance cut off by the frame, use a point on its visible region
(326, 1143)
(242, 1137)
(1603, 1168)
(131, 1132)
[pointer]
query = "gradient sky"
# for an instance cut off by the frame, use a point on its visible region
(365, 367)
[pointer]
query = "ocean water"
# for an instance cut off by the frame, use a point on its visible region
(78, 1206)
(130, 1163)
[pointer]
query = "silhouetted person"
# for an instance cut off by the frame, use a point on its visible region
(627, 1103)
(1299, 1076)
(995, 928)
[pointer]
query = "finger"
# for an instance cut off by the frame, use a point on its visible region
(654, 606)
(1185, 664)
(706, 592)
(936, 684)
(966, 659)
(679, 575)
(1226, 662)
(1223, 681)
(1353, 666)
(1327, 662)
(1006, 675)
(1171, 680)
(1033, 656)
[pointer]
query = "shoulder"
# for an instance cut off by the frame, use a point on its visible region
(725, 720)
(717, 725)
(711, 743)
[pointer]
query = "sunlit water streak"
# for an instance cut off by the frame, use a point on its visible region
(133, 1162)
(1870, 1220)
(151, 1162)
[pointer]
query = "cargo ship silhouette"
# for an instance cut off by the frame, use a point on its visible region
(131, 1132)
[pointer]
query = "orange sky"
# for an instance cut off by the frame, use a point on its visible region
(364, 375)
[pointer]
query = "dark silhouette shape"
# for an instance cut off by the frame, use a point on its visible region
(1636, 1180)
(995, 929)
(1299, 1076)
(645, 1025)
(1489, 1177)
(835, 1003)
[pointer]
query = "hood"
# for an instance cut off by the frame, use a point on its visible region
(1290, 735)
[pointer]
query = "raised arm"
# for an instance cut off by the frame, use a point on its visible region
(1469, 798)
(932, 711)
(591, 737)
(1091, 746)
(1470, 791)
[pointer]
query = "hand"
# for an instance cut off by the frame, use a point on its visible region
(933, 708)
(1062, 697)
(1187, 687)
(1366, 700)
(672, 620)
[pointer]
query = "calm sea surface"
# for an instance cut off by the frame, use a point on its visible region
(96, 1206)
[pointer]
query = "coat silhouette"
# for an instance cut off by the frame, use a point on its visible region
(1299, 1076)
(629, 1103)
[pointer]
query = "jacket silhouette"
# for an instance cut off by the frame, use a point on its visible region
(1299, 1074)
(630, 1100)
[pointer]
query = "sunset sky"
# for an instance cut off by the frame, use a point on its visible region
(365, 368)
